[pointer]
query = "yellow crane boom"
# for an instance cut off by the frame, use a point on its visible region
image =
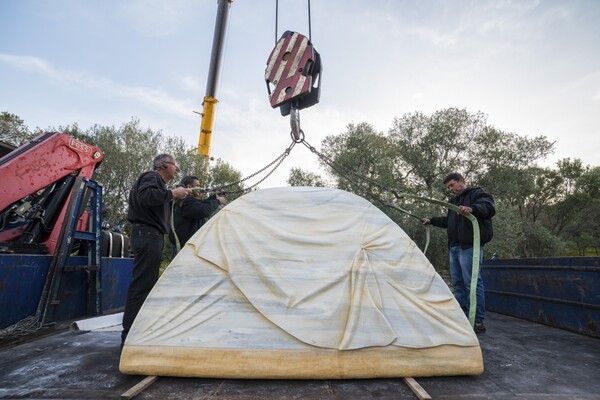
(209, 104)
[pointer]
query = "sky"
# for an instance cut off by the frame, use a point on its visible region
(532, 66)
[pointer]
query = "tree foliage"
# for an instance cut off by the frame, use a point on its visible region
(541, 211)
(298, 177)
(426, 148)
(575, 215)
(224, 176)
(128, 151)
(13, 130)
(362, 161)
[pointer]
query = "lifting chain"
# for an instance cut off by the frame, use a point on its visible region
(344, 172)
(275, 164)
(297, 136)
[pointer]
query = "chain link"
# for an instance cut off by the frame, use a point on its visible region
(344, 171)
(277, 162)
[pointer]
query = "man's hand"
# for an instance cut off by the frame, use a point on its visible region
(464, 210)
(426, 221)
(222, 199)
(181, 192)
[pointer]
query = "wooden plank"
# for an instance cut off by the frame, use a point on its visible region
(140, 387)
(417, 389)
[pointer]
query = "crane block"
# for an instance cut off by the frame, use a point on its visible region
(293, 69)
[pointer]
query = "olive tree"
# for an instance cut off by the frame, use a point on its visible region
(299, 177)
(13, 130)
(419, 150)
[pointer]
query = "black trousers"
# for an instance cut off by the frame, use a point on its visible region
(147, 244)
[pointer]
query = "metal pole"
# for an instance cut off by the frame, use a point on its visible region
(216, 56)
(209, 104)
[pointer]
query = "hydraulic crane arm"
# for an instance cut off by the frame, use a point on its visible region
(36, 185)
(209, 105)
(44, 160)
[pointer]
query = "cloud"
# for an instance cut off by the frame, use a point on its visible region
(155, 98)
(435, 37)
(157, 18)
(192, 84)
(525, 20)
(30, 64)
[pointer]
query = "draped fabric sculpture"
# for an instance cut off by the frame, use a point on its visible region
(302, 282)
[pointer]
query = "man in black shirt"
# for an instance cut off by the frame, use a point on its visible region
(149, 212)
(475, 201)
(191, 213)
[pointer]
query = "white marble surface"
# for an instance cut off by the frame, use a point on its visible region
(300, 268)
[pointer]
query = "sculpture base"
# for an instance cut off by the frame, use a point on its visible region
(376, 362)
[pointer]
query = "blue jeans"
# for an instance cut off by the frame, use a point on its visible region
(461, 265)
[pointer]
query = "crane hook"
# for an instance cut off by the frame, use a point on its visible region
(294, 70)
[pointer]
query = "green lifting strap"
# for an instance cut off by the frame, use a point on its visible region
(427, 229)
(177, 244)
(476, 248)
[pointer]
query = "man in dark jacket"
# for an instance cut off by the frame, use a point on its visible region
(149, 212)
(475, 201)
(191, 213)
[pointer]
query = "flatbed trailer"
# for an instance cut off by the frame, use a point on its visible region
(522, 359)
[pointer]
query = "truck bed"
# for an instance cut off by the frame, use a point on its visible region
(523, 360)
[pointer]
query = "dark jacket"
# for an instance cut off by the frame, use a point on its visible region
(460, 229)
(189, 215)
(150, 202)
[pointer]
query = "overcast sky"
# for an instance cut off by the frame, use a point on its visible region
(532, 66)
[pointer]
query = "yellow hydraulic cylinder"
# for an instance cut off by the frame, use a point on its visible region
(209, 108)
(209, 105)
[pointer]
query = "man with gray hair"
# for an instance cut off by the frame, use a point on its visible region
(149, 212)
